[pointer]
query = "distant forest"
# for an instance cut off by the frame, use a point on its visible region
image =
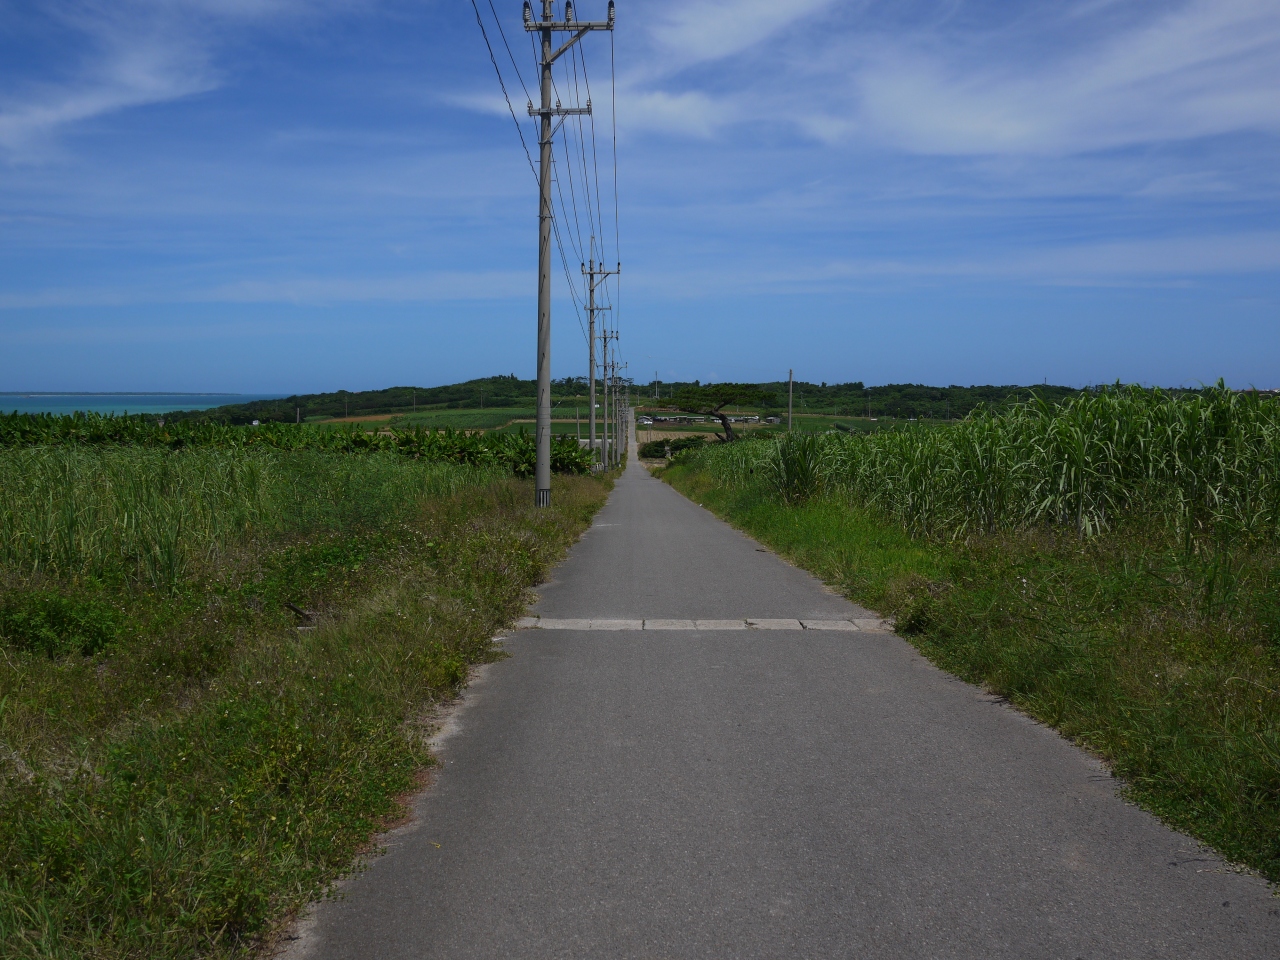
(901, 400)
(904, 400)
(485, 393)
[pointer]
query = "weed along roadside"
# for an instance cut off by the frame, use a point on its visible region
(215, 665)
(1108, 565)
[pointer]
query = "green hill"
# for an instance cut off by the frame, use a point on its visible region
(900, 400)
(482, 394)
(889, 400)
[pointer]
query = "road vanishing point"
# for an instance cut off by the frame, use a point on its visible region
(696, 750)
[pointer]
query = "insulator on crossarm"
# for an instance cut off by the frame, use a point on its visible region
(568, 11)
(528, 13)
(611, 14)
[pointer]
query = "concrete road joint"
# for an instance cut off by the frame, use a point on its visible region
(746, 623)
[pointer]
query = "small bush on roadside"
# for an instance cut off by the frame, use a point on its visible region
(56, 625)
(796, 468)
(670, 447)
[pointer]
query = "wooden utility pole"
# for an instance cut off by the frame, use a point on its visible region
(546, 27)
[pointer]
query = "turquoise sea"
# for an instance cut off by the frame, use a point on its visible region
(121, 402)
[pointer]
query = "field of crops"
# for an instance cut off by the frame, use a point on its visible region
(215, 662)
(1209, 464)
(512, 451)
(1108, 564)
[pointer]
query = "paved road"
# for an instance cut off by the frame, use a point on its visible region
(763, 793)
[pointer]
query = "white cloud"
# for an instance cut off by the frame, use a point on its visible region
(1207, 68)
(959, 79)
(1156, 261)
(418, 287)
(691, 113)
(694, 31)
(126, 54)
(142, 71)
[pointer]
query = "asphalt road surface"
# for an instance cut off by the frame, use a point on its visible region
(617, 789)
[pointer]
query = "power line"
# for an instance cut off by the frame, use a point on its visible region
(613, 116)
(595, 157)
(494, 60)
(502, 33)
(577, 306)
(582, 149)
(545, 56)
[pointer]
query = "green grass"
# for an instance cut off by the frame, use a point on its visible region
(500, 419)
(1153, 639)
(180, 764)
(463, 419)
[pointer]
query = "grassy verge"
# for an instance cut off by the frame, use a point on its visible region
(1165, 664)
(214, 669)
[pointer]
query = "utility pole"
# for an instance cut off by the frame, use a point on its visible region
(546, 27)
(626, 416)
(618, 439)
(610, 450)
(591, 274)
(791, 382)
(604, 368)
(615, 452)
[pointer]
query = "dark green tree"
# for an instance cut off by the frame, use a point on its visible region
(710, 401)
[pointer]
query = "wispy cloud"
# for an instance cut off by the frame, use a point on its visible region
(963, 79)
(418, 287)
(1205, 68)
(1151, 261)
(696, 31)
(122, 54)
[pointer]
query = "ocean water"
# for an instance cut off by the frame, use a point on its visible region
(66, 403)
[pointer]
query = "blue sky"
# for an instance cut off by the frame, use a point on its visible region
(264, 195)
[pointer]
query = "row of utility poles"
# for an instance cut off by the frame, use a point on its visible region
(610, 455)
(547, 112)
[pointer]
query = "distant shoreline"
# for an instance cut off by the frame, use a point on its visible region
(115, 393)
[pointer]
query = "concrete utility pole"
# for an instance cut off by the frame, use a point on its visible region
(791, 382)
(615, 451)
(604, 368)
(591, 273)
(609, 450)
(618, 439)
(624, 415)
(546, 27)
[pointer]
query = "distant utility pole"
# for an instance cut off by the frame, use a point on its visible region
(608, 450)
(791, 382)
(655, 384)
(604, 369)
(591, 274)
(615, 452)
(546, 27)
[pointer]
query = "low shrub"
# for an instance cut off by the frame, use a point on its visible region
(49, 623)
